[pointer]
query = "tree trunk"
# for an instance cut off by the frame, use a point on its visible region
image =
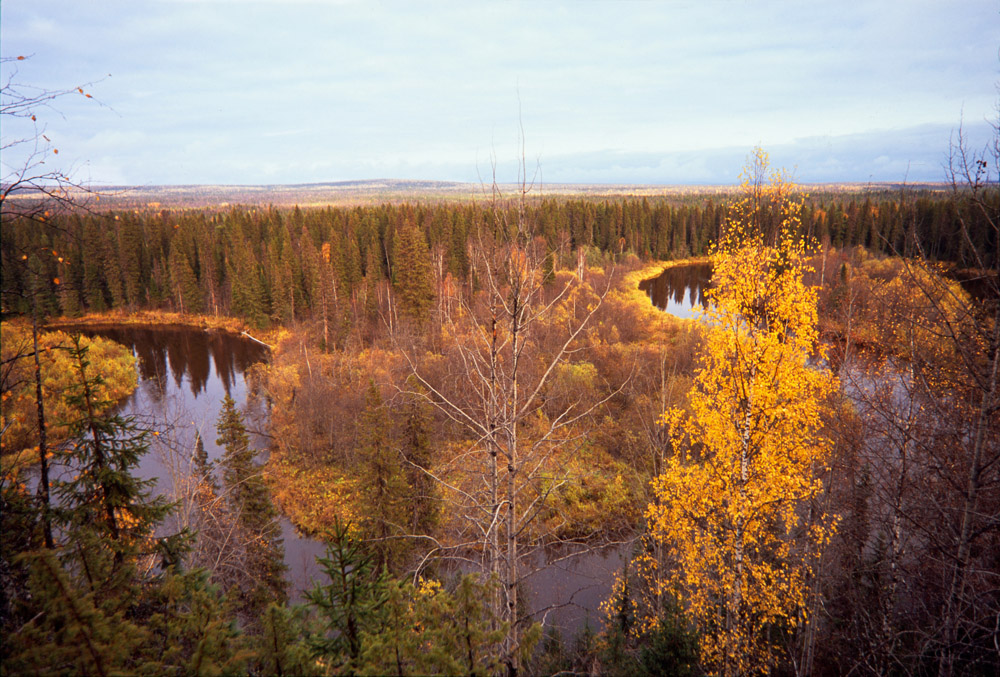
(43, 462)
(971, 496)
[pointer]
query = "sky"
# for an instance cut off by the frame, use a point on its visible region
(285, 92)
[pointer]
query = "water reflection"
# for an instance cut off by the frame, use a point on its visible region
(567, 592)
(184, 374)
(679, 290)
(186, 356)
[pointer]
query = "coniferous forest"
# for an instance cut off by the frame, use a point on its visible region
(267, 265)
(806, 481)
(351, 338)
(455, 398)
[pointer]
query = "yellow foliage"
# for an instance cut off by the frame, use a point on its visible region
(316, 498)
(750, 447)
(114, 362)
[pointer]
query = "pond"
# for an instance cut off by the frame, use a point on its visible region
(185, 373)
(679, 289)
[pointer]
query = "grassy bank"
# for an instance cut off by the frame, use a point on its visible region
(159, 318)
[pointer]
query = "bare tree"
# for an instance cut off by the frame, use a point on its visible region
(31, 190)
(929, 450)
(32, 185)
(505, 348)
(975, 333)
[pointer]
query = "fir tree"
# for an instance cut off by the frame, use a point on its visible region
(348, 603)
(202, 465)
(184, 282)
(88, 598)
(422, 491)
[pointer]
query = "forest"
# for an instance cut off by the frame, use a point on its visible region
(808, 477)
(265, 264)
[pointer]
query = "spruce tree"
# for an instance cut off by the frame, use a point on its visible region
(184, 282)
(89, 597)
(250, 500)
(104, 495)
(382, 473)
(422, 491)
(414, 277)
(348, 603)
(204, 468)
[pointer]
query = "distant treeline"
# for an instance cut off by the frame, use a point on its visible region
(272, 265)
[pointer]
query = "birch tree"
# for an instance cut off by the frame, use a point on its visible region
(749, 449)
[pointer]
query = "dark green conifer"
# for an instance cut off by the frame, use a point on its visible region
(248, 291)
(422, 494)
(349, 603)
(88, 596)
(250, 501)
(414, 277)
(184, 283)
(105, 496)
(382, 474)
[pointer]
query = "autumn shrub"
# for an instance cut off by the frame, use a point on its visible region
(19, 415)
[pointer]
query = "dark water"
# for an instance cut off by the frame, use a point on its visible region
(679, 290)
(568, 593)
(185, 374)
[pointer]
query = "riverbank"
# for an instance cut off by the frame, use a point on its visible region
(158, 318)
(59, 372)
(116, 364)
(318, 448)
(631, 289)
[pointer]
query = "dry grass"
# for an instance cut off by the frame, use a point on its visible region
(160, 318)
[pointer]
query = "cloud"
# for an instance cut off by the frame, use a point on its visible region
(605, 91)
(916, 154)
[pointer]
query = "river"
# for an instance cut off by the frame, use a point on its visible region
(184, 374)
(680, 288)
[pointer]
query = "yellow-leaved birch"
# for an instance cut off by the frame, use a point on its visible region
(732, 502)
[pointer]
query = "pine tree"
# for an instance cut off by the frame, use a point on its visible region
(80, 626)
(422, 492)
(373, 624)
(191, 628)
(132, 250)
(283, 649)
(104, 495)
(248, 292)
(88, 595)
(348, 603)
(202, 465)
(184, 282)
